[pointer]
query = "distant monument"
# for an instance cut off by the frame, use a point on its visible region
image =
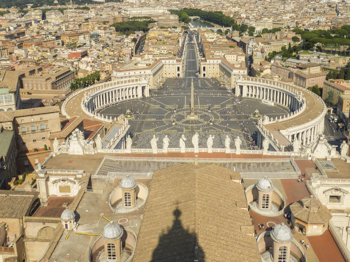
(192, 114)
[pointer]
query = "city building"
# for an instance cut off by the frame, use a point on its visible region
(10, 98)
(49, 79)
(8, 154)
(339, 87)
(32, 126)
(309, 75)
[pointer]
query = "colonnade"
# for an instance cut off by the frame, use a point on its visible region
(290, 96)
(279, 96)
(106, 97)
(307, 135)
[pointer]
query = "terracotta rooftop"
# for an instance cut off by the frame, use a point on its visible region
(10, 115)
(311, 211)
(196, 212)
(15, 204)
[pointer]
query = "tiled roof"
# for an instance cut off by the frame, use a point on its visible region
(10, 80)
(10, 115)
(15, 204)
(311, 211)
(196, 212)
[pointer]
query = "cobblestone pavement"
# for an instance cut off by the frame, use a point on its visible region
(219, 113)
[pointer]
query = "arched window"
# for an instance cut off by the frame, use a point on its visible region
(111, 252)
(9, 109)
(265, 201)
(127, 199)
(42, 126)
(32, 127)
(282, 254)
(23, 129)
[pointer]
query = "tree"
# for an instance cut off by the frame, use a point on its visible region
(315, 89)
(341, 74)
(295, 39)
(134, 40)
(329, 99)
(265, 30)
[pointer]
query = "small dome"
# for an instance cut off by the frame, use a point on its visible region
(265, 184)
(67, 215)
(128, 182)
(282, 233)
(112, 231)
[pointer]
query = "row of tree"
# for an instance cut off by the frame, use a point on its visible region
(343, 73)
(216, 17)
(328, 38)
(85, 81)
(4, 12)
(129, 26)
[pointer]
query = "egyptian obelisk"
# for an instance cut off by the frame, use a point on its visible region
(192, 99)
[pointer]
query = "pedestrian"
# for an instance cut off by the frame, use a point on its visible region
(298, 180)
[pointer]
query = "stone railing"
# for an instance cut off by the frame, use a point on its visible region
(201, 150)
(295, 166)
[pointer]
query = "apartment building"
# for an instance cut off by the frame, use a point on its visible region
(49, 79)
(340, 88)
(32, 126)
(309, 75)
(8, 154)
(9, 90)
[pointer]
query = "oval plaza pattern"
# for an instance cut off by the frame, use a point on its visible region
(304, 122)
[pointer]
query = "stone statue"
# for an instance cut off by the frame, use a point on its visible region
(128, 144)
(195, 142)
(166, 141)
(227, 144)
(56, 145)
(344, 149)
(210, 143)
(182, 144)
(238, 143)
(296, 145)
(154, 146)
(266, 144)
(98, 142)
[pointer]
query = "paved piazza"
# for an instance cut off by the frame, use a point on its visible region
(219, 113)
